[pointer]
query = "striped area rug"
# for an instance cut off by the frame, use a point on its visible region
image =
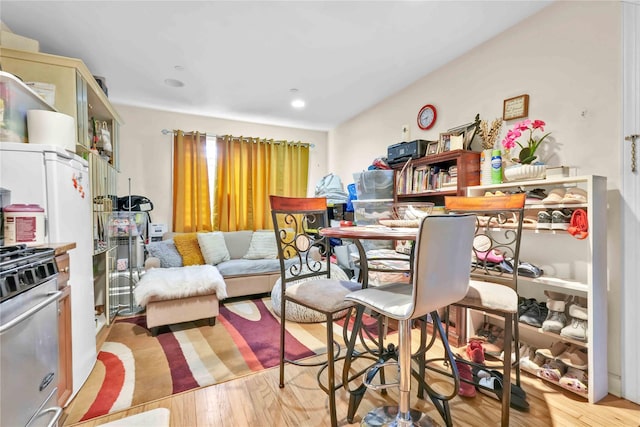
(134, 368)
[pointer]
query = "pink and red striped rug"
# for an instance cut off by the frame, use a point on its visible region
(134, 368)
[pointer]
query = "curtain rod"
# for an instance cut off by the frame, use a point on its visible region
(167, 132)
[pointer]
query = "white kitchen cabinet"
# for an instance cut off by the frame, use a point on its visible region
(570, 266)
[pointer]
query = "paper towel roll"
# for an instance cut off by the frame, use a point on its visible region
(51, 128)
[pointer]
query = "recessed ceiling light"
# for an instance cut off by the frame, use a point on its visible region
(179, 68)
(298, 103)
(173, 83)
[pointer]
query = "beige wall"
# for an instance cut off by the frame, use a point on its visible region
(568, 59)
(145, 154)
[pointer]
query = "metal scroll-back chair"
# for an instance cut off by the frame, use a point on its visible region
(306, 277)
(493, 288)
(442, 255)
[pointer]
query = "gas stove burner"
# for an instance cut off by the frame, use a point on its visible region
(23, 267)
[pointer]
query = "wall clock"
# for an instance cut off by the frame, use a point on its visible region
(427, 117)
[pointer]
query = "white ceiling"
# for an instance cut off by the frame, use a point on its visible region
(240, 59)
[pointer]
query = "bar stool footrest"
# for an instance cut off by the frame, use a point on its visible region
(370, 374)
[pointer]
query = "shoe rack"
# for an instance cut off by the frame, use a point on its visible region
(573, 263)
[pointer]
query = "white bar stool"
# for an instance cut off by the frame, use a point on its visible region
(440, 277)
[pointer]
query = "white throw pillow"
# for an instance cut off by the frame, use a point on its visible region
(213, 247)
(262, 246)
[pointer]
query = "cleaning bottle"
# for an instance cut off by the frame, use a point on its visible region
(496, 167)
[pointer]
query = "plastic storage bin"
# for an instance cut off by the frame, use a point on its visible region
(369, 212)
(375, 184)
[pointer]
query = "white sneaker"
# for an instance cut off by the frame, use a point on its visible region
(578, 312)
(556, 319)
(577, 330)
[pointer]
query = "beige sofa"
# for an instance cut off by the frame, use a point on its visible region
(243, 277)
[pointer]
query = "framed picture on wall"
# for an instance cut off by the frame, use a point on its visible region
(515, 108)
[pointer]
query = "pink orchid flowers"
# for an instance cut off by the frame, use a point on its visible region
(527, 153)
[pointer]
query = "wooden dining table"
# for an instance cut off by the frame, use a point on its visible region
(371, 232)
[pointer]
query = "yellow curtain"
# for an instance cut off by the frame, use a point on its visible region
(191, 201)
(248, 170)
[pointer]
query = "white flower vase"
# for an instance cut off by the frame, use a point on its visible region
(519, 172)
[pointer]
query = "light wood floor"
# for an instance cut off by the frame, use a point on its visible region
(256, 400)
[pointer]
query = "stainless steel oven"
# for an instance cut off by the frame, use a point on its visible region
(28, 337)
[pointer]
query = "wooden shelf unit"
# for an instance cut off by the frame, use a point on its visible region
(468, 173)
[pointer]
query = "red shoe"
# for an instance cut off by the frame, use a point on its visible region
(466, 389)
(475, 352)
(579, 226)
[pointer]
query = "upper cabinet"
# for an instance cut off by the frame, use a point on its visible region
(76, 93)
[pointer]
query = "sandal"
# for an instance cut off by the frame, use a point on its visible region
(574, 357)
(495, 341)
(552, 370)
(536, 195)
(493, 381)
(490, 256)
(529, 270)
(576, 380)
(574, 195)
(555, 197)
(484, 331)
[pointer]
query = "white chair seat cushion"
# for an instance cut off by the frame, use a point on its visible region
(490, 296)
(325, 295)
(393, 300)
(321, 296)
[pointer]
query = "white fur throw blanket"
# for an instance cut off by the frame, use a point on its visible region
(179, 282)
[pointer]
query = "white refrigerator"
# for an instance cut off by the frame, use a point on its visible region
(58, 181)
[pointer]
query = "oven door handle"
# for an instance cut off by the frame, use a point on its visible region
(57, 410)
(52, 297)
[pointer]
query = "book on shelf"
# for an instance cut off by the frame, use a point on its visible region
(424, 178)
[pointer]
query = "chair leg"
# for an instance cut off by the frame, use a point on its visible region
(331, 379)
(404, 359)
(382, 334)
(356, 395)
(282, 331)
(421, 360)
(506, 386)
(516, 343)
(440, 401)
